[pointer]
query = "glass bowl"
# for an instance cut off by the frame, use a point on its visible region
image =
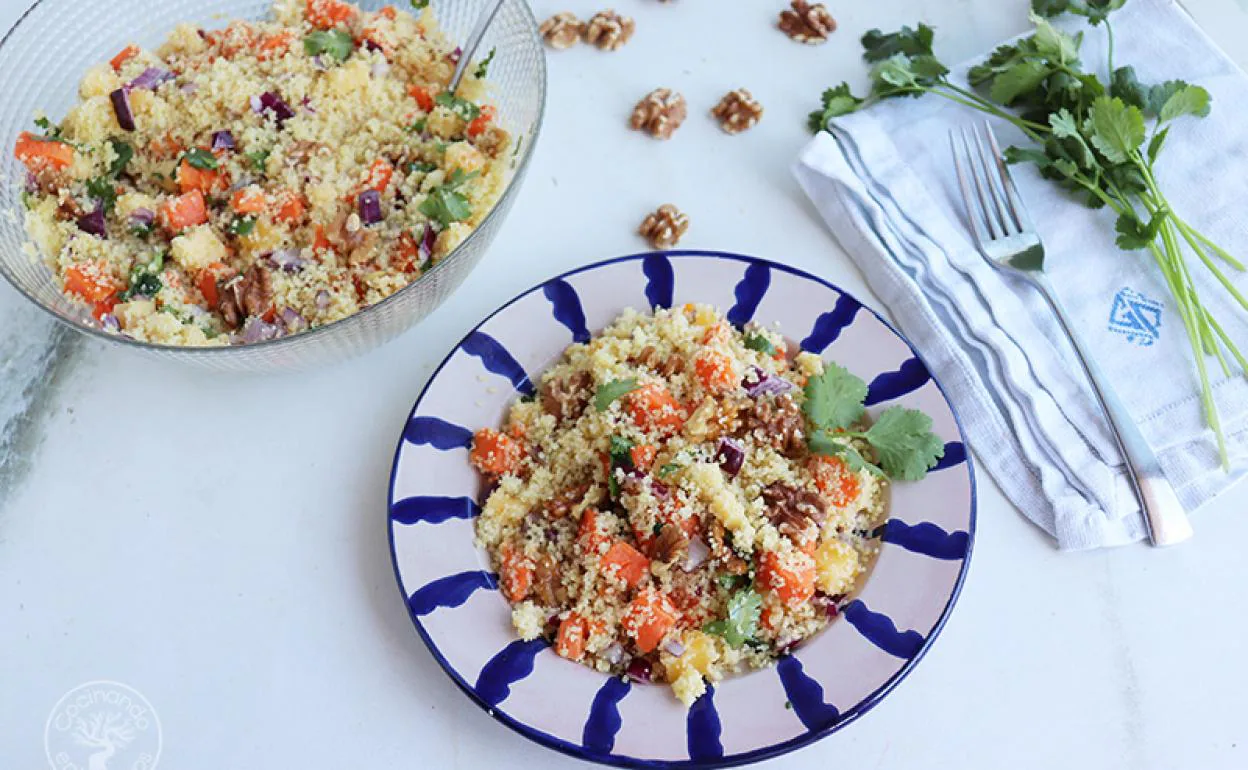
(54, 43)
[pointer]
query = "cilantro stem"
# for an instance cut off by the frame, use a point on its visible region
(1109, 44)
(1028, 127)
(1226, 340)
(1211, 409)
(1221, 252)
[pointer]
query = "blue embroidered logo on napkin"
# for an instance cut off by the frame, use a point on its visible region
(1136, 317)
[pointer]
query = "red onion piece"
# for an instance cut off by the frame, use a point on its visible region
(121, 106)
(766, 384)
(258, 330)
(730, 455)
(697, 554)
(271, 102)
(427, 242)
(293, 321)
(32, 183)
(223, 140)
(370, 207)
(323, 299)
(674, 648)
(142, 217)
(287, 259)
(93, 223)
(151, 79)
(109, 322)
(639, 670)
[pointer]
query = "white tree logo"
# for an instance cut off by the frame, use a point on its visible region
(103, 726)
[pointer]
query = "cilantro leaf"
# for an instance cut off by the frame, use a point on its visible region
(445, 204)
(145, 279)
(741, 621)
(243, 226)
(461, 107)
(729, 581)
(1126, 85)
(1049, 8)
(910, 42)
(337, 44)
(258, 159)
(668, 469)
(1020, 79)
(608, 392)
(761, 344)
(836, 102)
(1116, 128)
(124, 153)
(103, 190)
(1155, 144)
(1052, 43)
(824, 443)
(621, 454)
(201, 159)
(834, 398)
(420, 4)
(1136, 234)
(905, 444)
(1189, 100)
(484, 67)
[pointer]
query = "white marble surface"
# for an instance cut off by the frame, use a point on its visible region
(218, 543)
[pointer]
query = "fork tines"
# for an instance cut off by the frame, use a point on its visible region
(992, 202)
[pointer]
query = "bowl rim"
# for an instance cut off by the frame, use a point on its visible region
(273, 345)
(744, 758)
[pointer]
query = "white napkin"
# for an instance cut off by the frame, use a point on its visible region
(884, 182)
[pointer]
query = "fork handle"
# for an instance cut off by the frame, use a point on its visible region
(1164, 516)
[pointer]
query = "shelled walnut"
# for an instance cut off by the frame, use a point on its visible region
(660, 113)
(664, 228)
(738, 111)
(608, 30)
(807, 23)
(563, 30)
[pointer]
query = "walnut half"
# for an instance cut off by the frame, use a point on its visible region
(807, 23)
(608, 30)
(737, 111)
(660, 113)
(563, 30)
(664, 228)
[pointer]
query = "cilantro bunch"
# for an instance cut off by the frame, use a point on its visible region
(902, 438)
(1099, 137)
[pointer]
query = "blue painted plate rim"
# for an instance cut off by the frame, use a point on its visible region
(734, 760)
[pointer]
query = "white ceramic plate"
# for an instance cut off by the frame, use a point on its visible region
(826, 683)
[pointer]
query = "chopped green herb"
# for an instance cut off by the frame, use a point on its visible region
(258, 159)
(420, 167)
(668, 469)
(740, 624)
(201, 159)
(420, 4)
(142, 229)
(103, 190)
(484, 67)
(243, 226)
(834, 398)
(145, 279)
(418, 127)
(621, 454)
(124, 153)
(656, 529)
(608, 392)
(527, 398)
(444, 205)
(788, 705)
(461, 107)
(761, 344)
(730, 582)
(902, 438)
(336, 44)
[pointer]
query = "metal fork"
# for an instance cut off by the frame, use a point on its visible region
(1007, 238)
